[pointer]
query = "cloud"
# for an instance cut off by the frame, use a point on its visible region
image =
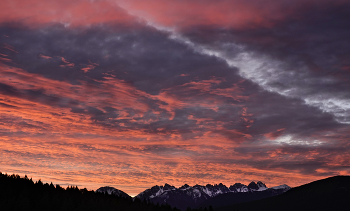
(35, 13)
(45, 57)
(221, 14)
(67, 63)
(301, 56)
(89, 67)
(130, 104)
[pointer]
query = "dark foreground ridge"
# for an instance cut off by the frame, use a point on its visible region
(19, 194)
(332, 193)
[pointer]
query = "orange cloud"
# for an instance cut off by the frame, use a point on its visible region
(205, 87)
(42, 136)
(106, 131)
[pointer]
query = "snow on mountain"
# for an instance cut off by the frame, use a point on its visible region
(112, 191)
(261, 186)
(238, 187)
(192, 196)
(208, 191)
(155, 191)
(285, 187)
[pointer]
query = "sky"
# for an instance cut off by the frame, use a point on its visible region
(135, 93)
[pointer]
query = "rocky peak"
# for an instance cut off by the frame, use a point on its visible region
(155, 188)
(185, 186)
(238, 187)
(261, 185)
(168, 187)
(253, 186)
(220, 185)
(209, 186)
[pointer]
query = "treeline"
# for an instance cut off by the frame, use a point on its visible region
(18, 193)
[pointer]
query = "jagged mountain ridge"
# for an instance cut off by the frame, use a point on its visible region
(210, 190)
(193, 196)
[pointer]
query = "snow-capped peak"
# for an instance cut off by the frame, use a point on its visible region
(208, 191)
(238, 187)
(261, 186)
(285, 187)
(193, 196)
(168, 187)
(112, 191)
(185, 186)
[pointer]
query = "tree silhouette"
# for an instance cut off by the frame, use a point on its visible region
(18, 193)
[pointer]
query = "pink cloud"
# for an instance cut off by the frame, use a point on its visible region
(67, 64)
(9, 47)
(274, 135)
(172, 13)
(80, 12)
(227, 13)
(44, 57)
(89, 67)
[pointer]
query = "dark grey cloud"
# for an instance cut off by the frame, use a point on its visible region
(303, 56)
(150, 61)
(301, 63)
(8, 90)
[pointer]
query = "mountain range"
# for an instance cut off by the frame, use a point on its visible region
(203, 196)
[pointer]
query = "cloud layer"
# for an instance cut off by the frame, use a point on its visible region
(93, 94)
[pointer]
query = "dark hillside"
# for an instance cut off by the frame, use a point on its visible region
(327, 194)
(235, 198)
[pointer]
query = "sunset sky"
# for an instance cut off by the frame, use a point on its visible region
(136, 93)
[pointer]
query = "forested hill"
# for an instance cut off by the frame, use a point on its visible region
(18, 193)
